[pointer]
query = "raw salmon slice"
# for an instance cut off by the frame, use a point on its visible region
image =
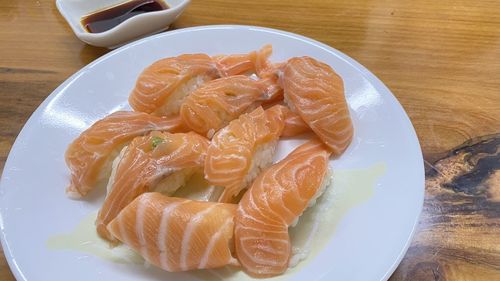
(89, 156)
(294, 125)
(213, 105)
(235, 64)
(177, 234)
(273, 203)
(239, 151)
(156, 162)
(316, 93)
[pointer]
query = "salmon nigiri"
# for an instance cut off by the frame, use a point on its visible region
(156, 162)
(177, 234)
(162, 87)
(274, 202)
(239, 151)
(216, 103)
(316, 93)
(89, 157)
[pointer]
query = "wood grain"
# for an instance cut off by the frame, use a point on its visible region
(458, 233)
(440, 58)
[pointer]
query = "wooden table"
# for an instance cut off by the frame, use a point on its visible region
(440, 58)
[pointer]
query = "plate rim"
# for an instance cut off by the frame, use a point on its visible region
(367, 74)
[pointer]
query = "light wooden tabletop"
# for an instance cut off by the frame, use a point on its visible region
(441, 59)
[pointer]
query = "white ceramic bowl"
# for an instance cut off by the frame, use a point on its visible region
(133, 28)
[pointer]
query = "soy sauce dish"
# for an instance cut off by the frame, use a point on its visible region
(111, 23)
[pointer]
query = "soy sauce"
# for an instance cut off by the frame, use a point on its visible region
(110, 17)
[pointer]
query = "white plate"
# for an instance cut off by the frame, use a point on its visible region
(365, 242)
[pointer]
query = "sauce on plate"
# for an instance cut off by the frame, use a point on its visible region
(348, 189)
(107, 18)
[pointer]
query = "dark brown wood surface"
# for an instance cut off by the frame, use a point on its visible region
(441, 59)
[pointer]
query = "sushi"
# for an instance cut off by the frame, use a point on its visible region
(157, 162)
(177, 234)
(89, 157)
(239, 151)
(162, 87)
(316, 93)
(197, 188)
(216, 103)
(274, 202)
